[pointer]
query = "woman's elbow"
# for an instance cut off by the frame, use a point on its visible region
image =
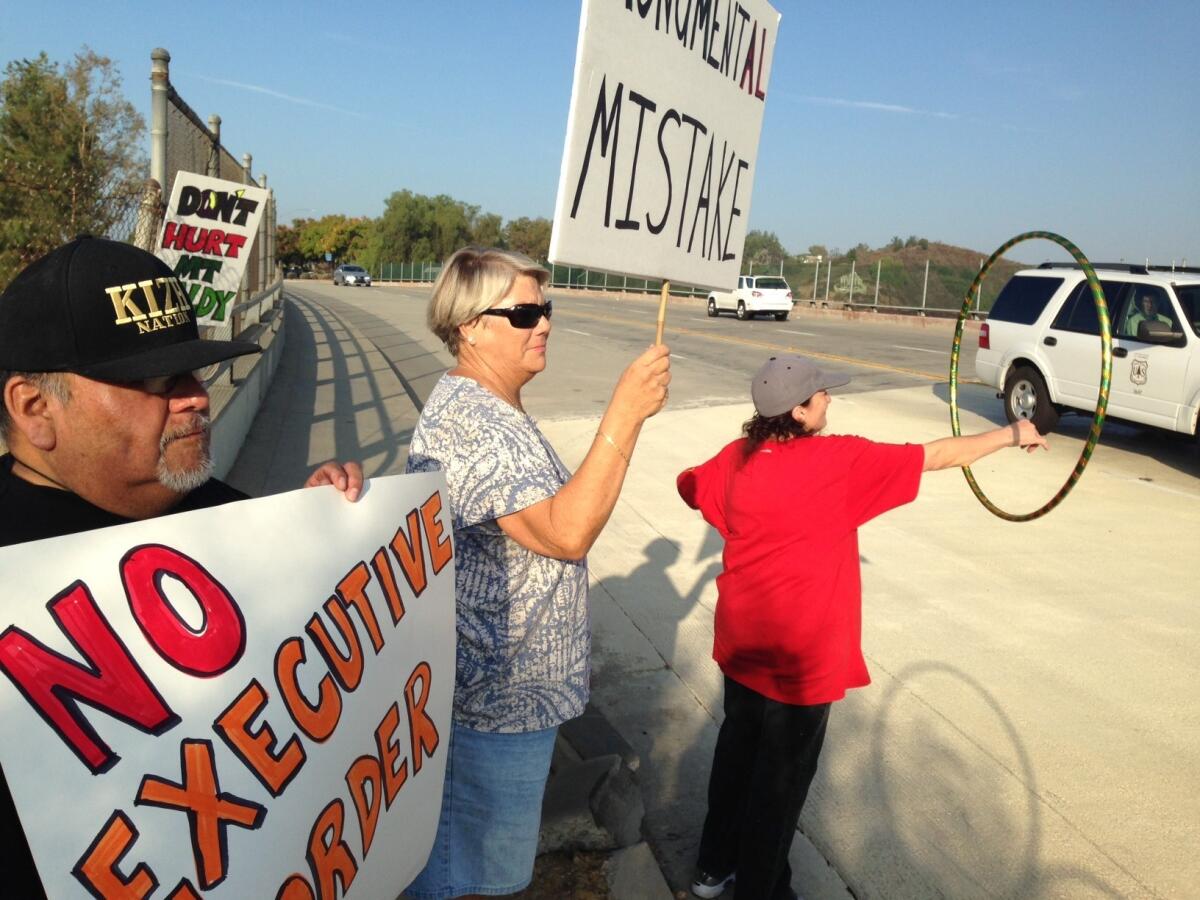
(574, 547)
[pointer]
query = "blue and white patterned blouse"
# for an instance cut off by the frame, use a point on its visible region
(523, 635)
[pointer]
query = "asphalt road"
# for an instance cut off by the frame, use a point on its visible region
(1034, 725)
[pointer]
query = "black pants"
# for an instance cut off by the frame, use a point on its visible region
(765, 760)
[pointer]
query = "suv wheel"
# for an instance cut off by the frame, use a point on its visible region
(712, 307)
(741, 310)
(781, 317)
(1026, 397)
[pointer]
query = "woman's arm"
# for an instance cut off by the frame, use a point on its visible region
(953, 452)
(566, 525)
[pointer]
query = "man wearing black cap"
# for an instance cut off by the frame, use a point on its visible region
(788, 501)
(104, 416)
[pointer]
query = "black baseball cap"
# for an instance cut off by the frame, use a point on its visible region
(105, 310)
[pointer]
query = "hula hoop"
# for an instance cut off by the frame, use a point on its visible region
(1105, 373)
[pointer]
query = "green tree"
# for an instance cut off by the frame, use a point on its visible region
(488, 230)
(415, 227)
(762, 249)
(70, 156)
(346, 238)
(287, 243)
(529, 236)
(818, 250)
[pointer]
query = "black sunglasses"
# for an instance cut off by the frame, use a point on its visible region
(523, 315)
(161, 385)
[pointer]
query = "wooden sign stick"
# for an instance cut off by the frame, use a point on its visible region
(662, 311)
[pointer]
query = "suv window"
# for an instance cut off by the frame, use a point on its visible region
(1146, 302)
(771, 284)
(1023, 299)
(1079, 312)
(1189, 298)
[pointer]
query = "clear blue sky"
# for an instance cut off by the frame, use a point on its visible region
(957, 121)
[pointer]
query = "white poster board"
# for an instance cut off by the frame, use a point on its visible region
(208, 232)
(662, 138)
(254, 711)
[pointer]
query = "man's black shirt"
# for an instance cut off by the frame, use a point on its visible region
(32, 512)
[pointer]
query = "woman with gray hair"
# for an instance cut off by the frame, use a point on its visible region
(523, 526)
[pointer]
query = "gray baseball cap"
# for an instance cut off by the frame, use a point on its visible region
(784, 382)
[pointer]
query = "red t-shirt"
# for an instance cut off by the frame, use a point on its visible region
(789, 601)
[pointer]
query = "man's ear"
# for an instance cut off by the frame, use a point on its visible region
(30, 407)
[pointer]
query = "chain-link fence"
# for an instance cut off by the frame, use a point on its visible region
(896, 284)
(902, 285)
(180, 141)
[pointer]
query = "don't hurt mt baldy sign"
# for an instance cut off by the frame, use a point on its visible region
(662, 137)
(207, 235)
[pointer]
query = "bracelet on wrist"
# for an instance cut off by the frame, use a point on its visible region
(613, 444)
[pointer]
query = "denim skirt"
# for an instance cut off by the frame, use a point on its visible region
(487, 835)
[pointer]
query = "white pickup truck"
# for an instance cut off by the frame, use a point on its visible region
(754, 294)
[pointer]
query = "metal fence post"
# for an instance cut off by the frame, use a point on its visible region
(145, 233)
(247, 161)
(850, 302)
(272, 233)
(878, 269)
(160, 80)
(816, 277)
(979, 291)
(213, 169)
(263, 222)
(828, 273)
(925, 287)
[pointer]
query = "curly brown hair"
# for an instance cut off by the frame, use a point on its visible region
(758, 429)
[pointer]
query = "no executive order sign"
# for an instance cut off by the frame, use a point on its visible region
(191, 712)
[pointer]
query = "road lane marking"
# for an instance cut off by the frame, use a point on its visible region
(675, 355)
(573, 331)
(919, 349)
(805, 333)
(769, 345)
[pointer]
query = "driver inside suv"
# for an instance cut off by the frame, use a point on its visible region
(1145, 309)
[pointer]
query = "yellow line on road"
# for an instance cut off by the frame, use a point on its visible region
(768, 345)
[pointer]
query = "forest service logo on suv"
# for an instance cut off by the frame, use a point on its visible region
(1040, 345)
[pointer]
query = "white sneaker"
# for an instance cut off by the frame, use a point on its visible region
(707, 886)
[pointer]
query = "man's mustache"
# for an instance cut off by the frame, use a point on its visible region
(196, 422)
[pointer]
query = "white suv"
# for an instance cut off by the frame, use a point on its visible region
(754, 294)
(1040, 345)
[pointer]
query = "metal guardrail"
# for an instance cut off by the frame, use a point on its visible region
(243, 316)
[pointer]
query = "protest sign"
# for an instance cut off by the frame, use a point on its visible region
(662, 137)
(252, 711)
(207, 234)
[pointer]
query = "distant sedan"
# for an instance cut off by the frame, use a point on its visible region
(354, 275)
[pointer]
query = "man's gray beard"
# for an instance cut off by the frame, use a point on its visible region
(186, 481)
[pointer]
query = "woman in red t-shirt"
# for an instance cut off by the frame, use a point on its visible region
(788, 502)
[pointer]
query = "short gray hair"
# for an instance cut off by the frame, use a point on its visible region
(474, 279)
(52, 383)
